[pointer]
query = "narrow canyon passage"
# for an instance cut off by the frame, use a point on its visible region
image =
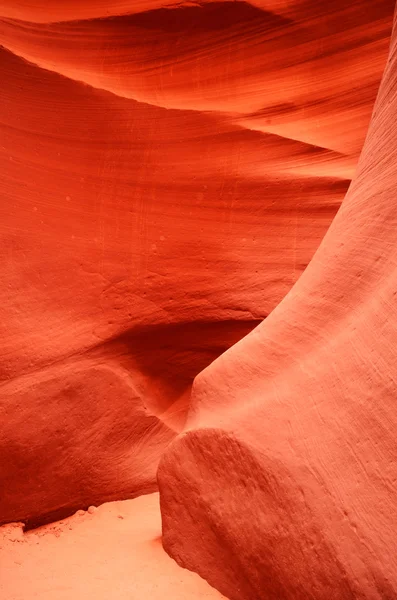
(179, 286)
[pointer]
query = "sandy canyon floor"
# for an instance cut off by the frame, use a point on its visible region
(112, 552)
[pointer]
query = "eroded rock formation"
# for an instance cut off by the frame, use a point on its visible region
(168, 171)
(287, 470)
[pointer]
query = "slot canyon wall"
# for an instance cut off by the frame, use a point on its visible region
(287, 469)
(168, 171)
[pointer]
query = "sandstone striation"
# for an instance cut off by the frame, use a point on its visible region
(286, 471)
(172, 177)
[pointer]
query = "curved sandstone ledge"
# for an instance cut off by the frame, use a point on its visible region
(285, 480)
(260, 525)
(77, 435)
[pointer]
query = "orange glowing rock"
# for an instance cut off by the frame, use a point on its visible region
(168, 171)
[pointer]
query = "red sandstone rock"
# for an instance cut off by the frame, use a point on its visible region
(287, 470)
(166, 177)
(215, 57)
(72, 436)
(154, 216)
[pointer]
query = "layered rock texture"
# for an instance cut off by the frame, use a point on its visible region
(168, 172)
(287, 470)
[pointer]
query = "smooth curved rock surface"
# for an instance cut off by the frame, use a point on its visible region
(287, 470)
(84, 417)
(164, 185)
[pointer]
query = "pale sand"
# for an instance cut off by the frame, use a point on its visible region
(113, 553)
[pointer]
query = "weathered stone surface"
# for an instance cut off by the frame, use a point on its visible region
(286, 471)
(168, 171)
